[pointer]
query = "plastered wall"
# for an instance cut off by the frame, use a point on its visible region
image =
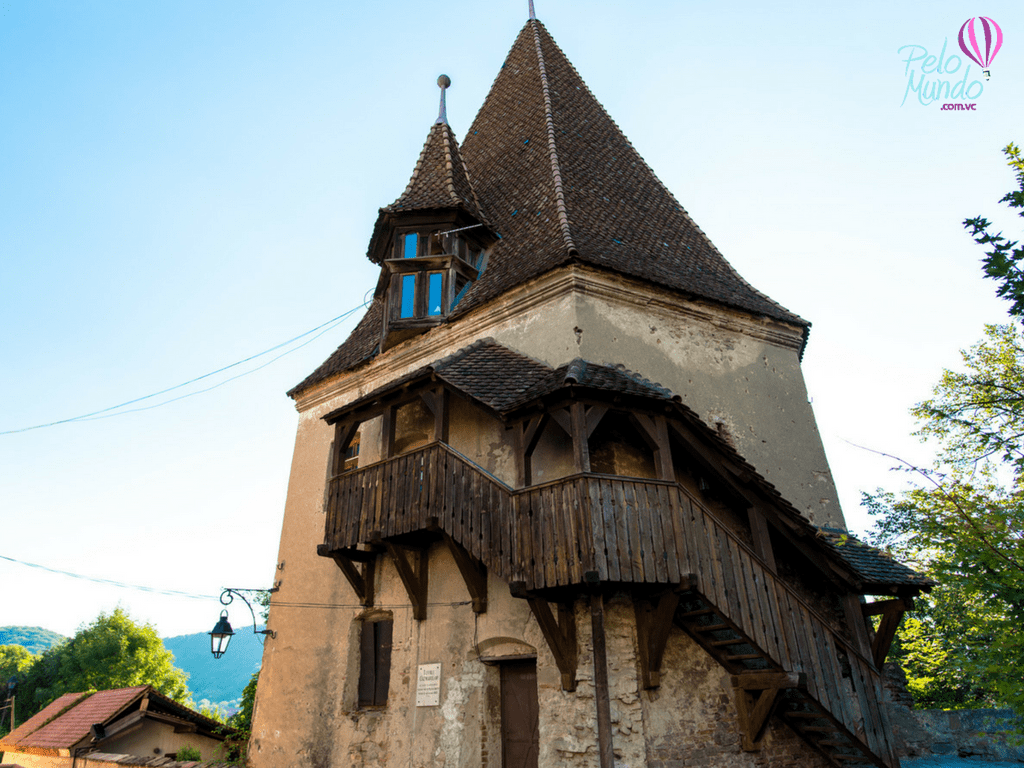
(733, 370)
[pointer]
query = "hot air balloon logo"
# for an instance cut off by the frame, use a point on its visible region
(981, 55)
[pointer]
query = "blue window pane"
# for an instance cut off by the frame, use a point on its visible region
(409, 248)
(408, 296)
(434, 282)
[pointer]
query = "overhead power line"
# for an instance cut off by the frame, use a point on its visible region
(115, 410)
(111, 582)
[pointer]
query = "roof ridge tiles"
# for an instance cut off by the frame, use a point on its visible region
(556, 172)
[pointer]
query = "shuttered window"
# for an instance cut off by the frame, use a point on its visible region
(375, 663)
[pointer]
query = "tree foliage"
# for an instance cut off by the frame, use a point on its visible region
(111, 652)
(241, 721)
(964, 522)
(1002, 261)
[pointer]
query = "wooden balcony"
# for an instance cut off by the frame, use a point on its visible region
(554, 536)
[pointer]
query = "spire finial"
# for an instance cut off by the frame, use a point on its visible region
(533, 14)
(443, 82)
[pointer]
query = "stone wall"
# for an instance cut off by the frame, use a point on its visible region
(982, 734)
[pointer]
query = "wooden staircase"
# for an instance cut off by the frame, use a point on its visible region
(738, 654)
(589, 529)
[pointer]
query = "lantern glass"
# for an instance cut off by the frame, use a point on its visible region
(221, 636)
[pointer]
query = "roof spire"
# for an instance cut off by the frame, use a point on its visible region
(533, 14)
(443, 83)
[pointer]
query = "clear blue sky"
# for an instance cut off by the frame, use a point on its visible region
(185, 184)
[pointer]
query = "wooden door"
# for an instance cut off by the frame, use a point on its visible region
(520, 738)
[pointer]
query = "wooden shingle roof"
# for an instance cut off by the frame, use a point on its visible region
(560, 184)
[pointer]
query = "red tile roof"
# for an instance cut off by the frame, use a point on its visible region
(560, 183)
(40, 718)
(73, 726)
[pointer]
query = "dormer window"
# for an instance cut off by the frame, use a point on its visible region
(429, 272)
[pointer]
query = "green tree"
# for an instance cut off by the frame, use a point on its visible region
(15, 661)
(964, 523)
(241, 721)
(111, 652)
(1002, 261)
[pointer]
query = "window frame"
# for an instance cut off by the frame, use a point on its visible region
(376, 636)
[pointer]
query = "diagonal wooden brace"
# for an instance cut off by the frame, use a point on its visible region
(473, 573)
(891, 612)
(756, 694)
(411, 564)
(560, 634)
(653, 623)
(361, 580)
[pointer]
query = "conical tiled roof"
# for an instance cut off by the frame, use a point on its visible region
(560, 183)
(439, 181)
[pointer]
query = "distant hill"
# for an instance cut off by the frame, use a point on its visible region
(32, 639)
(217, 680)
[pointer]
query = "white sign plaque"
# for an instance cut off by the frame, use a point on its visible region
(428, 685)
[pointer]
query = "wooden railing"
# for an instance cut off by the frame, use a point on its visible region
(627, 530)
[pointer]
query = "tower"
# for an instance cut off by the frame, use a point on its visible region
(559, 499)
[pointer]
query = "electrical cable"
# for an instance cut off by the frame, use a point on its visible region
(104, 413)
(111, 582)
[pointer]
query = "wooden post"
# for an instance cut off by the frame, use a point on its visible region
(606, 755)
(581, 447)
(387, 432)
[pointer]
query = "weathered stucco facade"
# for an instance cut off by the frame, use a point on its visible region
(567, 456)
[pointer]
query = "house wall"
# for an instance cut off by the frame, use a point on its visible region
(27, 760)
(740, 373)
(153, 739)
(690, 718)
(732, 369)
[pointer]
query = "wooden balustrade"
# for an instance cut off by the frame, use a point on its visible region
(625, 530)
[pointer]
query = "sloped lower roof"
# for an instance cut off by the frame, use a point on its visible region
(66, 721)
(40, 718)
(504, 380)
(66, 730)
(874, 567)
(560, 184)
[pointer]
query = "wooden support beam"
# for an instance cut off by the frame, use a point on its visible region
(473, 573)
(436, 401)
(891, 612)
(560, 634)
(525, 436)
(594, 415)
(756, 694)
(387, 431)
(360, 579)
(561, 417)
(578, 430)
(602, 698)
(653, 623)
(413, 574)
(343, 433)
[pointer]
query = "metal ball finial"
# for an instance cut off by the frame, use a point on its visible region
(443, 82)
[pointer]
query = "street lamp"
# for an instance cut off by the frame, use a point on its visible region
(221, 635)
(222, 632)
